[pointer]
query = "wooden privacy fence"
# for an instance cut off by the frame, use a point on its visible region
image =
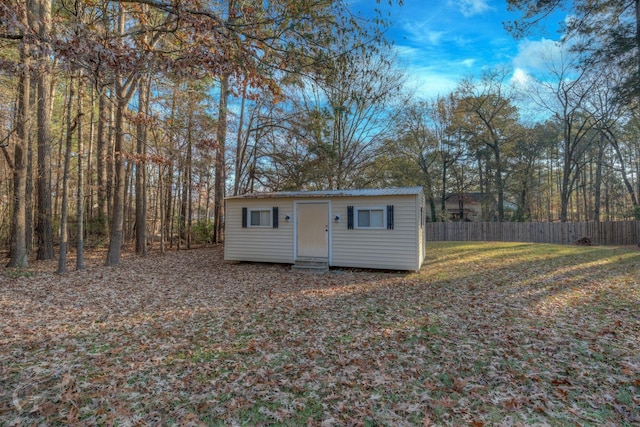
(600, 233)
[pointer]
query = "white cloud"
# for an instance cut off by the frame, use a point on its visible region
(434, 37)
(520, 78)
(473, 7)
(407, 52)
(422, 33)
(428, 83)
(430, 73)
(468, 62)
(538, 56)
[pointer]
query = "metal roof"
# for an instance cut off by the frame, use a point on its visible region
(369, 192)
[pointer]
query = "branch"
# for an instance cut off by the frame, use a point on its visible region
(6, 155)
(11, 36)
(5, 141)
(175, 9)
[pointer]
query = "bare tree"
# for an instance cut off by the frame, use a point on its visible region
(18, 254)
(124, 90)
(141, 167)
(44, 227)
(64, 226)
(80, 207)
(421, 136)
(490, 119)
(220, 172)
(609, 116)
(337, 123)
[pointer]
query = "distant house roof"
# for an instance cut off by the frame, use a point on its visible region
(396, 191)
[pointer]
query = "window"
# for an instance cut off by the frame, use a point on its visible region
(260, 218)
(370, 218)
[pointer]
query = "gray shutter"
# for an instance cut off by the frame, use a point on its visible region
(274, 220)
(389, 217)
(350, 217)
(244, 217)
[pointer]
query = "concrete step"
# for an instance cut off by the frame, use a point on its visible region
(311, 266)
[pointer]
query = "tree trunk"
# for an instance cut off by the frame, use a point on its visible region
(521, 214)
(254, 167)
(110, 159)
(58, 170)
(568, 188)
(185, 200)
(219, 184)
(241, 146)
(189, 178)
(129, 221)
(141, 169)
(180, 201)
(89, 157)
(44, 229)
(80, 202)
(101, 163)
(64, 234)
(499, 184)
(565, 191)
(168, 200)
(483, 191)
(18, 253)
(425, 167)
(124, 90)
(168, 195)
(443, 190)
(29, 195)
(161, 207)
(623, 170)
(117, 219)
(637, 44)
(585, 195)
(430, 198)
(598, 181)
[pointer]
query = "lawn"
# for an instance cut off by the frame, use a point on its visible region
(486, 334)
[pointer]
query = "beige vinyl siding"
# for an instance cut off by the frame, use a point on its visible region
(376, 248)
(421, 211)
(258, 244)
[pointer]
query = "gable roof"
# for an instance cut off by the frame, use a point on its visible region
(394, 191)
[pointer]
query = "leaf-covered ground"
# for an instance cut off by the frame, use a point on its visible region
(486, 334)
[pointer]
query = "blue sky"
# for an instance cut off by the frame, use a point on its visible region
(438, 42)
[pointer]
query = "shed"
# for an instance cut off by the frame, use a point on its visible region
(369, 228)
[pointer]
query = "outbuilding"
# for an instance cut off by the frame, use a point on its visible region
(368, 228)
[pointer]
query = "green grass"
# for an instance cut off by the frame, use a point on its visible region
(484, 334)
(17, 272)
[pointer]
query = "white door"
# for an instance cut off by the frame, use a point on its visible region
(312, 230)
